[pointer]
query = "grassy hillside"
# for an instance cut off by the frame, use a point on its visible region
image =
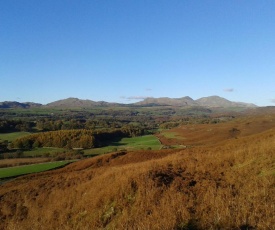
(209, 134)
(224, 184)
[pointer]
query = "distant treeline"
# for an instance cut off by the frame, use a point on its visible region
(40, 120)
(15, 125)
(74, 138)
(53, 124)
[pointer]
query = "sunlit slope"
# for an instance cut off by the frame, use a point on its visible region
(223, 186)
(205, 134)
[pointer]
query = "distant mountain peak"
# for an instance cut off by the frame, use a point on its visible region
(73, 102)
(166, 101)
(217, 101)
(211, 101)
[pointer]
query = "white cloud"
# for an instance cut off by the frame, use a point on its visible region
(134, 97)
(273, 101)
(229, 90)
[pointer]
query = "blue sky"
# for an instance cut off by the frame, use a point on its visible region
(126, 50)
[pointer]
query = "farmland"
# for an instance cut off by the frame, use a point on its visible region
(12, 136)
(37, 152)
(129, 144)
(26, 169)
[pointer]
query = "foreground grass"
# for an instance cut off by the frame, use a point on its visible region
(22, 170)
(133, 143)
(12, 136)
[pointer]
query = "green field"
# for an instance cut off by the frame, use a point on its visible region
(22, 170)
(133, 143)
(37, 152)
(12, 136)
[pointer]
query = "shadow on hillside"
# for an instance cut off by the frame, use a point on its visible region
(113, 142)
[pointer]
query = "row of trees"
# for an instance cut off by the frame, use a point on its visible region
(74, 138)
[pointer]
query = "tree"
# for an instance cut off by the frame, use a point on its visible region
(36, 144)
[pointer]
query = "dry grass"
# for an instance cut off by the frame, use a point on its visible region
(225, 186)
(209, 134)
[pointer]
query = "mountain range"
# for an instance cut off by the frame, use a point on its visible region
(211, 102)
(15, 104)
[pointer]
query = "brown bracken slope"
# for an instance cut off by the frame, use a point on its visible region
(209, 134)
(223, 180)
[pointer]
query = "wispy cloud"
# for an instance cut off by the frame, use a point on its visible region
(134, 97)
(273, 100)
(148, 89)
(229, 90)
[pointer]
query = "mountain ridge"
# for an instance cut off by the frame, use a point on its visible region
(164, 101)
(15, 104)
(71, 102)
